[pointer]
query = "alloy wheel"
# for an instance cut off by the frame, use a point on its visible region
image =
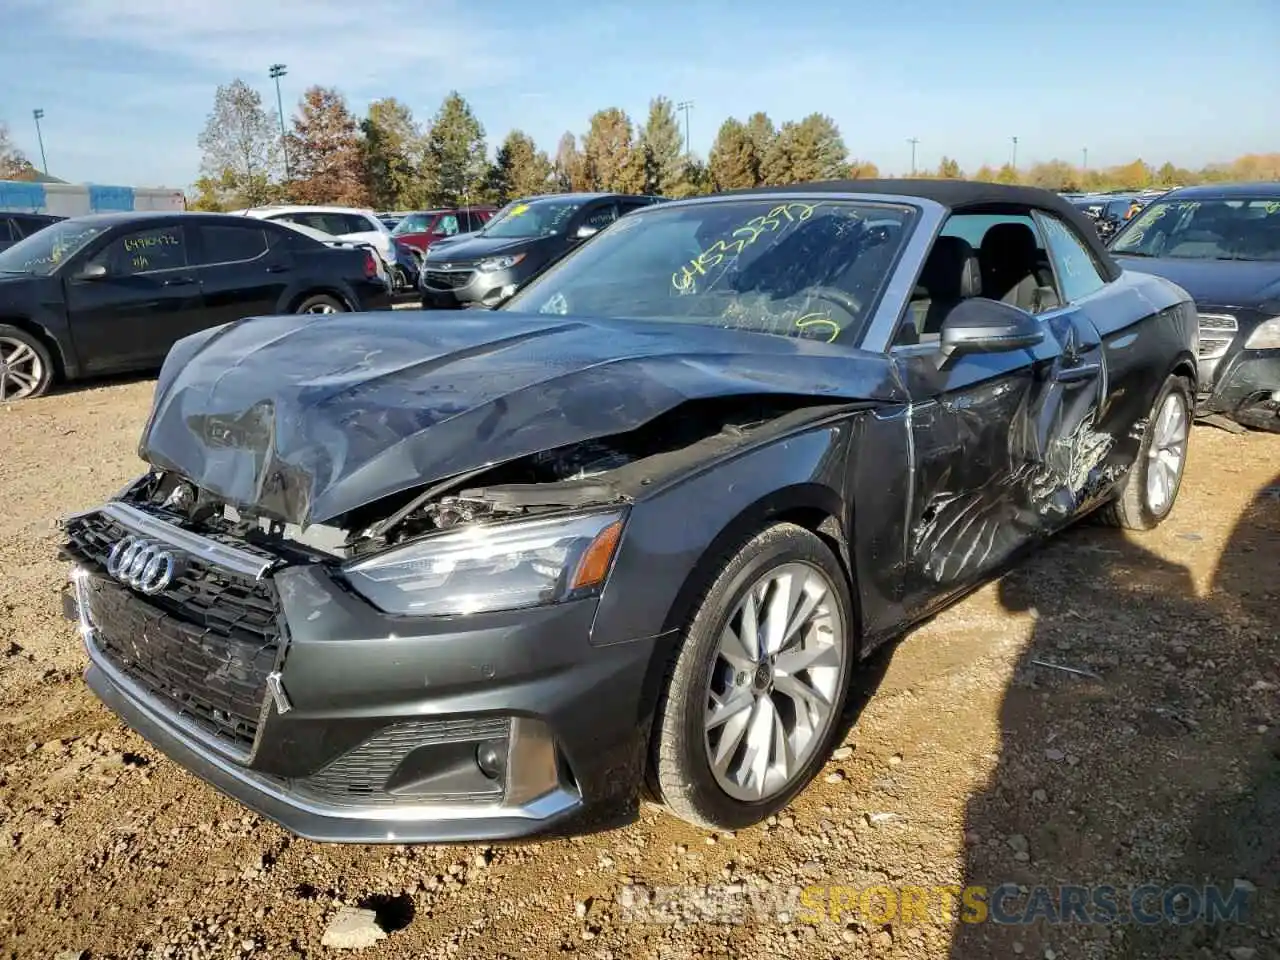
(773, 688)
(21, 369)
(1167, 454)
(321, 308)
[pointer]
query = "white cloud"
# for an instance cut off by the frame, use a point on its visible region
(324, 41)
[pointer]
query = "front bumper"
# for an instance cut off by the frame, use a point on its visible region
(466, 287)
(1246, 388)
(369, 726)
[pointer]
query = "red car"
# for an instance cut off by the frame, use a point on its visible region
(420, 229)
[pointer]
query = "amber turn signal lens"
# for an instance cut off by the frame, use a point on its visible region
(595, 561)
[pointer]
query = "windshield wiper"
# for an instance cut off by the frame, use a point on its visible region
(1131, 253)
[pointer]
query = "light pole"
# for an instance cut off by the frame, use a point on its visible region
(1015, 153)
(913, 141)
(277, 71)
(685, 106)
(44, 164)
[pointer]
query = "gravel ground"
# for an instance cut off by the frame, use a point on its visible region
(968, 763)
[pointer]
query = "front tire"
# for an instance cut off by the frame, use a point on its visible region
(1150, 488)
(26, 369)
(755, 694)
(321, 303)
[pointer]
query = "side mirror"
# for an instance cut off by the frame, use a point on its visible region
(979, 325)
(94, 271)
(585, 231)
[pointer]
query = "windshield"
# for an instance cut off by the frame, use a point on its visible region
(798, 269)
(414, 223)
(533, 218)
(41, 252)
(1215, 229)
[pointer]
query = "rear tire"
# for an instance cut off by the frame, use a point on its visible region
(1150, 488)
(321, 303)
(26, 368)
(722, 706)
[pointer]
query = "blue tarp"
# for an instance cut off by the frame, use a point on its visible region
(25, 197)
(110, 199)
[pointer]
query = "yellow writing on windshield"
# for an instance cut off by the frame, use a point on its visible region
(741, 238)
(1272, 207)
(133, 244)
(518, 209)
(818, 320)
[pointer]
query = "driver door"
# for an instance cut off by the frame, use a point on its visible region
(1005, 449)
(149, 297)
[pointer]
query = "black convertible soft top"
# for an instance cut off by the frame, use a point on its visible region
(967, 196)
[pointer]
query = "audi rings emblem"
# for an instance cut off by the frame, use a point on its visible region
(146, 565)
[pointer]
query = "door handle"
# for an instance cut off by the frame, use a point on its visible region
(278, 268)
(1077, 372)
(179, 281)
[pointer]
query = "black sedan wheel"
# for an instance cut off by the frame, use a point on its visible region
(26, 369)
(321, 303)
(1148, 492)
(757, 689)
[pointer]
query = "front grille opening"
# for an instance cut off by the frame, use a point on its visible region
(203, 647)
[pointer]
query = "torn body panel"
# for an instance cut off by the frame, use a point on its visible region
(304, 421)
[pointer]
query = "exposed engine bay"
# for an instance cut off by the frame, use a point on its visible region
(590, 472)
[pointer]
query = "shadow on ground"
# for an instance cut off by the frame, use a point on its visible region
(1162, 768)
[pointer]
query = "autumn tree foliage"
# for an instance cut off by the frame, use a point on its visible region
(326, 152)
(240, 151)
(388, 160)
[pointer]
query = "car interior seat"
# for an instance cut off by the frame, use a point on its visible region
(950, 274)
(1012, 271)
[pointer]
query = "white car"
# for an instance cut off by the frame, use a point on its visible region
(345, 223)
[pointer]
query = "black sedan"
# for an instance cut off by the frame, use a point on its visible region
(482, 268)
(474, 577)
(110, 293)
(1221, 243)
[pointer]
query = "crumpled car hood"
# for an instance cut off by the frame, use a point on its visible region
(305, 419)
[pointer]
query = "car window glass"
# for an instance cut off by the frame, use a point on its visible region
(223, 244)
(447, 225)
(1074, 265)
(357, 224)
(474, 221)
(144, 251)
(600, 217)
(8, 230)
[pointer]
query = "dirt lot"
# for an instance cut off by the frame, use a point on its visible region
(969, 763)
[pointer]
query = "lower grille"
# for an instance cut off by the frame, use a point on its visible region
(204, 646)
(1217, 330)
(448, 279)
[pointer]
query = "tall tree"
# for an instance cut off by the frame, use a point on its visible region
(1007, 174)
(240, 147)
(568, 165)
(456, 161)
(327, 151)
(762, 132)
(949, 169)
(612, 160)
(1167, 174)
(664, 165)
(519, 170)
(1054, 175)
(695, 180)
(393, 148)
(809, 150)
(734, 162)
(13, 164)
(985, 174)
(863, 170)
(1133, 175)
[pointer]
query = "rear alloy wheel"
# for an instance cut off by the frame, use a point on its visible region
(26, 369)
(758, 687)
(321, 303)
(1150, 489)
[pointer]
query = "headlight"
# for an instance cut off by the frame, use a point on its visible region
(1266, 336)
(499, 263)
(481, 568)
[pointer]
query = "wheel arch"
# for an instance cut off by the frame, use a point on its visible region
(813, 506)
(50, 342)
(327, 290)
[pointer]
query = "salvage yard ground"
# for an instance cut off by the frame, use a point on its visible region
(969, 763)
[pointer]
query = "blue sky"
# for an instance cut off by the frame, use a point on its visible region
(126, 85)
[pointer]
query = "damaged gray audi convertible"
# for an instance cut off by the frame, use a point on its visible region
(416, 577)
